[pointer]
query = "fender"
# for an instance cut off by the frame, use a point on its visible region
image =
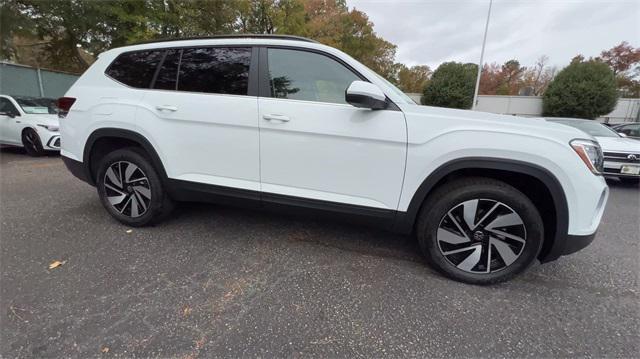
(405, 220)
(125, 134)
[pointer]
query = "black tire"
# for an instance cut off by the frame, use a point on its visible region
(630, 181)
(488, 193)
(147, 181)
(31, 143)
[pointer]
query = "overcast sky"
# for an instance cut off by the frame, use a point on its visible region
(434, 31)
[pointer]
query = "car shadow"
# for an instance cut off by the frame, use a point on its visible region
(6, 149)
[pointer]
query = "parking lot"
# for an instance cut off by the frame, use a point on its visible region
(229, 282)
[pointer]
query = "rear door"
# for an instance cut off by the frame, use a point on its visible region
(202, 116)
(315, 146)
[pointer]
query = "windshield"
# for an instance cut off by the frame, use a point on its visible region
(396, 90)
(37, 105)
(593, 128)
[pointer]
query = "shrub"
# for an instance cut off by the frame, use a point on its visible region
(451, 85)
(581, 90)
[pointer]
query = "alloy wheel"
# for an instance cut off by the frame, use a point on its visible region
(31, 140)
(127, 189)
(481, 236)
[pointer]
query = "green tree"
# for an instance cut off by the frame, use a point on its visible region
(451, 85)
(412, 79)
(582, 90)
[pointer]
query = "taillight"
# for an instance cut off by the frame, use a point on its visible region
(64, 104)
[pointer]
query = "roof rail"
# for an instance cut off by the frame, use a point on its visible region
(230, 36)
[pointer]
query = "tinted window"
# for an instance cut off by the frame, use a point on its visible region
(215, 70)
(6, 106)
(630, 130)
(303, 75)
(168, 75)
(135, 69)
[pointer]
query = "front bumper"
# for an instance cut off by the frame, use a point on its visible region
(576, 243)
(614, 162)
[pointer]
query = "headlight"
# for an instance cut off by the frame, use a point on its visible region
(590, 153)
(52, 128)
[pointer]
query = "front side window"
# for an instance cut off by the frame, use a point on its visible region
(308, 76)
(630, 130)
(135, 69)
(215, 70)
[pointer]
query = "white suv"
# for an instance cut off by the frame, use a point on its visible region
(284, 122)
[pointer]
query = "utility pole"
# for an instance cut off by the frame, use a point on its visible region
(484, 42)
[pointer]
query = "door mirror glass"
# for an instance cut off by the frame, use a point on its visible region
(365, 95)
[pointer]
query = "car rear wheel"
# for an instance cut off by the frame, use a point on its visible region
(31, 143)
(630, 180)
(479, 230)
(130, 188)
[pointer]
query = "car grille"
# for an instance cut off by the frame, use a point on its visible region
(622, 157)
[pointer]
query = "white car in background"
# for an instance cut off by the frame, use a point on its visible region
(29, 122)
(621, 154)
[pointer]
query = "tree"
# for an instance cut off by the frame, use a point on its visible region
(412, 79)
(624, 60)
(583, 90)
(451, 85)
(538, 77)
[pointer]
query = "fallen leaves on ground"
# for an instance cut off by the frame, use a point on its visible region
(105, 349)
(186, 311)
(129, 230)
(56, 264)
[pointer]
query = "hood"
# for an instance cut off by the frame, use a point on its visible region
(619, 144)
(476, 119)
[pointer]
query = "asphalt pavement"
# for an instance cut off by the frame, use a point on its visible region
(225, 282)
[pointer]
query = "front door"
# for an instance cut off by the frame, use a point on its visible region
(316, 146)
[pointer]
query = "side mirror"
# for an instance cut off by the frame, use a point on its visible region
(365, 95)
(622, 134)
(10, 114)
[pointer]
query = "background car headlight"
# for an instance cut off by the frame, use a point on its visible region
(52, 128)
(590, 153)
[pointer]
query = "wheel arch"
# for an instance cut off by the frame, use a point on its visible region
(106, 139)
(522, 175)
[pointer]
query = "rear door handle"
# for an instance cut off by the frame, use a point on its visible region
(167, 108)
(276, 118)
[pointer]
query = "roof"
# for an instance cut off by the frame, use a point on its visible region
(231, 36)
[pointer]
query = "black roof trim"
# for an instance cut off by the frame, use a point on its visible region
(230, 36)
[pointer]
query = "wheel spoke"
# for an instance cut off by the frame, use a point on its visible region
(446, 235)
(470, 208)
(125, 204)
(143, 191)
(113, 177)
(113, 188)
(114, 200)
(511, 219)
(507, 254)
(141, 201)
(453, 219)
(486, 215)
(128, 172)
(461, 250)
(508, 235)
(472, 260)
(134, 206)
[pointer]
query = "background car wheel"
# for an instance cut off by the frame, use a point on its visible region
(31, 143)
(479, 230)
(130, 188)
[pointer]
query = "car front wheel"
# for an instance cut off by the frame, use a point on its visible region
(480, 230)
(130, 188)
(31, 142)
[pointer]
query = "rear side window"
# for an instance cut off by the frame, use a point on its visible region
(135, 69)
(168, 75)
(215, 70)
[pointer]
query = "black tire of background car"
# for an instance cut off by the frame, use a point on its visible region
(630, 181)
(161, 204)
(458, 191)
(31, 143)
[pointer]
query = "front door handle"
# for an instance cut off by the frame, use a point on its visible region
(167, 108)
(276, 118)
